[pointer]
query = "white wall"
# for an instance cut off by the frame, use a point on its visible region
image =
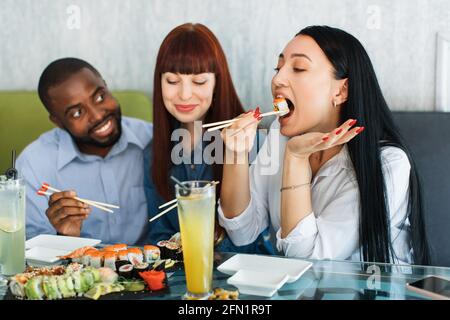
(121, 38)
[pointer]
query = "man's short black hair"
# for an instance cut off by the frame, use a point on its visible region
(57, 72)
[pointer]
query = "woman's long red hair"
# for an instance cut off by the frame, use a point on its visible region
(188, 49)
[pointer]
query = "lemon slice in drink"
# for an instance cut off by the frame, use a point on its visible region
(10, 225)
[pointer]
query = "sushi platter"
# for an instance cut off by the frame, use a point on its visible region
(109, 272)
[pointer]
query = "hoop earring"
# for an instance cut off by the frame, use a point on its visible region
(334, 104)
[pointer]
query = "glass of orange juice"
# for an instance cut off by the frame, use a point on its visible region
(196, 212)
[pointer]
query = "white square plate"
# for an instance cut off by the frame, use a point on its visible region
(293, 268)
(42, 254)
(46, 248)
(258, 283)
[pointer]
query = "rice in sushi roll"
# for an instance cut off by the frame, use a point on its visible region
(86, 259)
(96, 259)
(151, 253)
(110, 258)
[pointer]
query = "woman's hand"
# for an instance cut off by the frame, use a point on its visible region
(239, 137)
(306, 144)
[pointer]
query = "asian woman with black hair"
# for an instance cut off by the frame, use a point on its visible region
(339, 192)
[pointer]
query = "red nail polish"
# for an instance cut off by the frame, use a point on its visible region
(256, 113)
(352, 123)
(360, 130)
(325, 138)
(338, 131)
(259, 118)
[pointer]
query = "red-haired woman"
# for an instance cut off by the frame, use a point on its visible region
(191, 83)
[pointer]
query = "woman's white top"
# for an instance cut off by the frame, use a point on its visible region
(331, 231)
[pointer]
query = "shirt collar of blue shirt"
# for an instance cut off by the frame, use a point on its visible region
(68, 150)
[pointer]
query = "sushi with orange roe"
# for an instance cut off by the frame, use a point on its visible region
(96, 259)
(135, 256)
(120, 246)
(110, 258)
(280, 104)
(123, 255)
(151, 253)
(86, 259)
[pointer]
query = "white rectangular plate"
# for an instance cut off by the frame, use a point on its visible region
(43, 254)
(60, 242)
(46, 248)
(293, 268)
(258, 283)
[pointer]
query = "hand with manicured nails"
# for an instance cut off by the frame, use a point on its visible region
(306, 144)
(67, 214)
(239, 137)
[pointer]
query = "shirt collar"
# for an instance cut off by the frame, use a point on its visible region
(68, 150)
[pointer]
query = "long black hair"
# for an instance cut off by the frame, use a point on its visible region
(365, 102)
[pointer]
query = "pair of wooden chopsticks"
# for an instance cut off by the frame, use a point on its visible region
(100, 205)
(174, 204)
(227, 123)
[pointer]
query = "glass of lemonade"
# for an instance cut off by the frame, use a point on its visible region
(196, 213)
(12, 226)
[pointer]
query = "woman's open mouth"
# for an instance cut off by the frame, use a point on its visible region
(283, 119)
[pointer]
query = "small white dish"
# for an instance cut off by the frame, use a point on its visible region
(42, 254)
(258, 283)
(45, 248)
(293, 268)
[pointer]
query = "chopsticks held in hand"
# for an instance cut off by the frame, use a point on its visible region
(227, 123)
(99, 205)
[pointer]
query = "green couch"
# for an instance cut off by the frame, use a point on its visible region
(23, 118)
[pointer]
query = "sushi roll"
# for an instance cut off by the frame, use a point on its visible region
(96, 259)
(123, 255)
(151, 253)
(33, 288)
(110, 258)
(50, 288)
(162, 249)
(62, 286)
(76, 277)
(87, 280)
(173, 250)
(280, 104)
(86, 259)
(17, 285)
(126, 271)
(135, 256)
(120, 263)
(141, 267)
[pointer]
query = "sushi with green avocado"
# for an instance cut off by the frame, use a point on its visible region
(33, 288)
(74, 282)
(50, 287)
